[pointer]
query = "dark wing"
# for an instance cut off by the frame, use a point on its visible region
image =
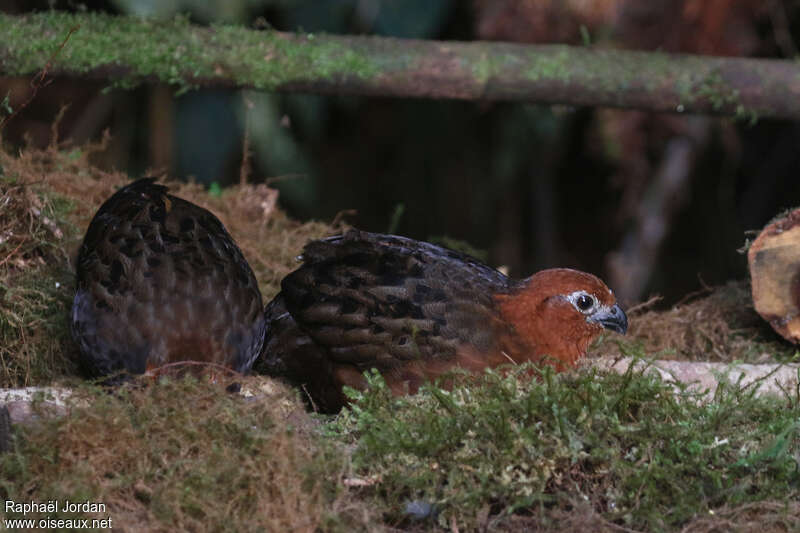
(159, 280)
(290, 353)
(373, 300)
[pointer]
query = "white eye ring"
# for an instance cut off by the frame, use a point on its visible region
(582, 301)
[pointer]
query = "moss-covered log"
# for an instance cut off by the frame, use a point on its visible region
(129, 51)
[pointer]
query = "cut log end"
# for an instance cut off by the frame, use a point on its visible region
(774, 263)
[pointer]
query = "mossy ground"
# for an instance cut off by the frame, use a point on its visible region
(185, 456)
(582, 450)
(609, 450)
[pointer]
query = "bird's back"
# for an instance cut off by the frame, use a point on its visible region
(363, 300)
(160, 280)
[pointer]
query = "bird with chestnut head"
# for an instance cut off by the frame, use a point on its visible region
(414, 311)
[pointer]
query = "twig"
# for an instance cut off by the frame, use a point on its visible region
(310, 399)
(508, 357)
(246, 166)
(38, 81)
(694, 294)
(645, 305)
(6, 258)
(159, 369)
(54, 126)
(339, 218)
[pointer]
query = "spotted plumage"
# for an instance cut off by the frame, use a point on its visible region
(160, 280)
(414, 310)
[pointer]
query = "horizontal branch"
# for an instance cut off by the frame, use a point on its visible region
(129, 51)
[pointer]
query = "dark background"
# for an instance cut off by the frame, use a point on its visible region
(652, 203)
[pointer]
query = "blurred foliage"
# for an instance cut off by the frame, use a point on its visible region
(277, 152)
(204, 119)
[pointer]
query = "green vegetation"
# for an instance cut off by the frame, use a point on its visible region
(36, 284)
(557, 67)
(637, 453)
(131, 49)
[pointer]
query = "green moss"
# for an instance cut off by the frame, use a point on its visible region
(748, 115)
(482, 69)
(641, 455)
(34, 327)
(711, 88)
(714, 89)
(36, 283)
(183, 456)
(557, 67)
(173, 52)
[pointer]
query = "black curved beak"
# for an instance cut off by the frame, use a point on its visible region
(614, 319)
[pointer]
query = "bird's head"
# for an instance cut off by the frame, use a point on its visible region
(558, 312)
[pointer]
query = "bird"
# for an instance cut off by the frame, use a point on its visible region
(415, 311)
(160, 281)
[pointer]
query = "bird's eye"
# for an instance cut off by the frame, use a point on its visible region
(585, 302)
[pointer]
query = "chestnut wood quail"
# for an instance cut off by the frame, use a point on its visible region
(414, 311)
(160, 280)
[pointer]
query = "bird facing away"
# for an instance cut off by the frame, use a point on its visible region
(160, 280)
(414, 311)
